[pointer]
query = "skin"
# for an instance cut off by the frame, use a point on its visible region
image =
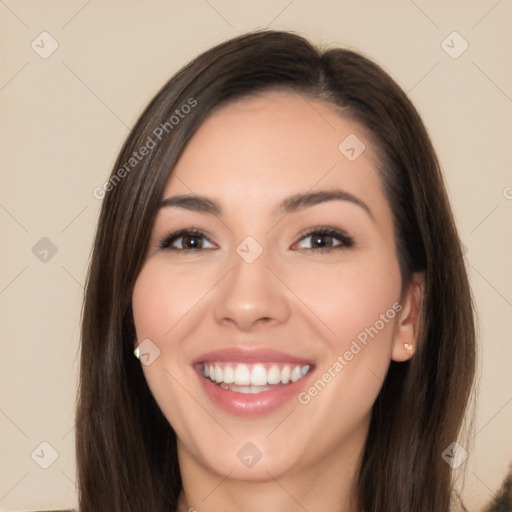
(248, 156)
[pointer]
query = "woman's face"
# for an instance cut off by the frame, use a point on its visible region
(267, 332)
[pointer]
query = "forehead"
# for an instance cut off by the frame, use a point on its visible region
(258, 149)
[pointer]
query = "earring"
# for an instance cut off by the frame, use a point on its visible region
(136, 352)
(408, 347)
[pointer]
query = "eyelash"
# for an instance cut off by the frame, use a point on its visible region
(168, 240)
(346, 241)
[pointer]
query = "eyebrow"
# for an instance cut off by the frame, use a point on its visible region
(308, 199)
(193, 203)
(293, 203)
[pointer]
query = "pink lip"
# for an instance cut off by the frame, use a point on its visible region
(244, 404)
(255, 355)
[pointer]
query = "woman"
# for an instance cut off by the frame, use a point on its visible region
(276, 244)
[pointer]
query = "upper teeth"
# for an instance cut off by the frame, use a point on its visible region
(256, 375)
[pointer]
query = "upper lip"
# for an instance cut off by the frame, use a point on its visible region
(250, 355)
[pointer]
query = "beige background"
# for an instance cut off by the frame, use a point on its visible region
(64, 118)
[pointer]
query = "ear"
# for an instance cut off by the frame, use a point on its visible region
(407, 327)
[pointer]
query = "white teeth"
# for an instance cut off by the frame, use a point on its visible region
(274, 375)
(253, 377)
(229, 375)
(218, 373)
(296, 374)
(242, 375)
(258, 375)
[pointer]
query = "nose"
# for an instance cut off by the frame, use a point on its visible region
(251, 297)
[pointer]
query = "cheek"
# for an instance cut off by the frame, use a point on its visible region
(164, 302)
(359, 304)
(352, 297)
(163, 296)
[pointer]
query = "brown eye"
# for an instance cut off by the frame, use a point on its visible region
(186, 240)
(325, 239)
(322, 241)
(191, 242)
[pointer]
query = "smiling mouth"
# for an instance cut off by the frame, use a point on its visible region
(252, 378)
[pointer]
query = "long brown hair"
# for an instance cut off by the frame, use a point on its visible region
(126, 449)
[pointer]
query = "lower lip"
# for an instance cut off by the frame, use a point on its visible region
(251, 404)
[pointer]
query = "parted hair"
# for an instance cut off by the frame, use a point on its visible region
(126, 449)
